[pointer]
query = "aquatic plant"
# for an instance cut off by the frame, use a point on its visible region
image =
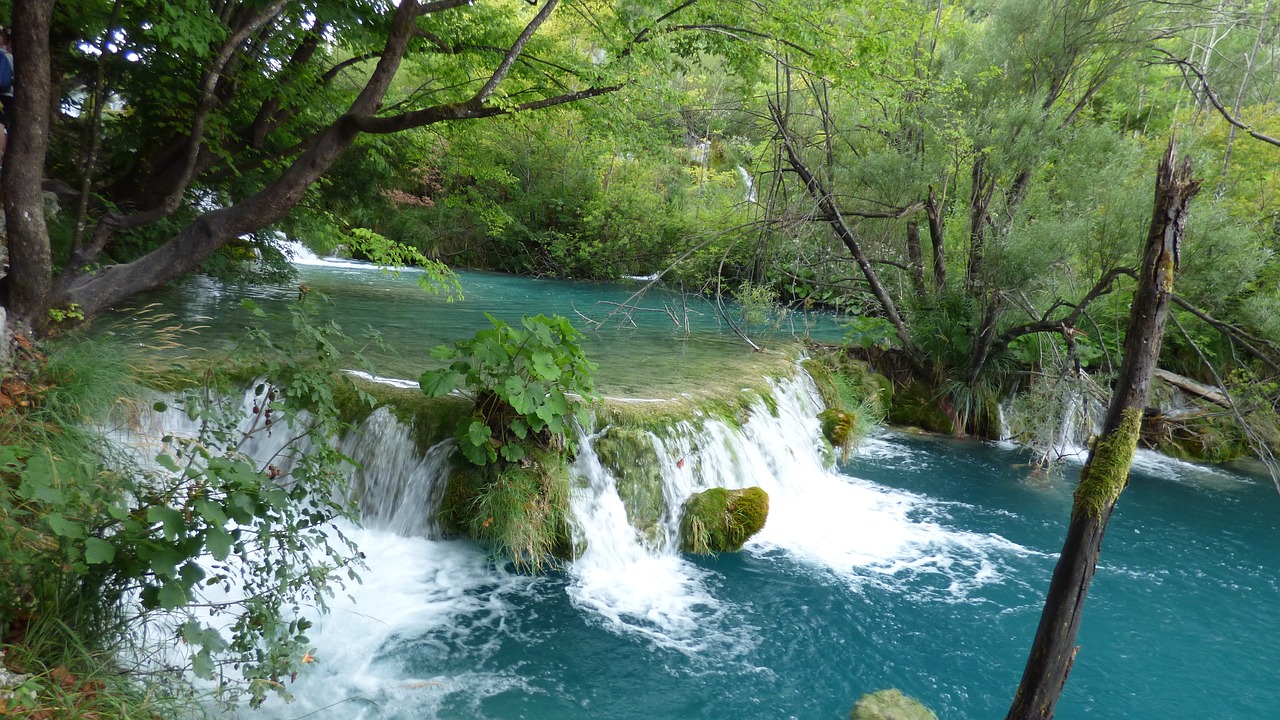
(526, 385)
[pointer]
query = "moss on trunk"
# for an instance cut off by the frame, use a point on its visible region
(1107, 472)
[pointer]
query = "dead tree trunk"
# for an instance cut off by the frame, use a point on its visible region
(1106, 473)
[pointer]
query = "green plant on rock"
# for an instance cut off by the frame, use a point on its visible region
(519, 509)
(527, 385)
(720, 520)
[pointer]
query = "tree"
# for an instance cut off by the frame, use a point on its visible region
(1106, 473)
(267, 96)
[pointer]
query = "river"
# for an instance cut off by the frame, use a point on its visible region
(919, 564)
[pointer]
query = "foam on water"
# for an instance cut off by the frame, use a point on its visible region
(444, 593)
(447, 598)
(631, 587)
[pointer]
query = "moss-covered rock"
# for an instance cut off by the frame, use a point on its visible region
(915, 406)
(720, 520)
(839, 428)
(1205, 436)
(520, 510)
(630, 456)
(890, 705)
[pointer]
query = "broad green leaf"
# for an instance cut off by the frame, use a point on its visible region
(63, 527)
(172, 595)
(97, 551)
(218, 542)
(438, 383)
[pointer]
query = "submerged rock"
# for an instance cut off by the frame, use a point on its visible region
(890, 705)
(630, 455)
(720, 520)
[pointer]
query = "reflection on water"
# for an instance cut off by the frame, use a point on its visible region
(641, 352)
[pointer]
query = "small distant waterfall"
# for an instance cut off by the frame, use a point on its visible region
(748, 183)
(1055, 420)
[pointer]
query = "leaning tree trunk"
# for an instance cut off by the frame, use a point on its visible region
(1106, 473)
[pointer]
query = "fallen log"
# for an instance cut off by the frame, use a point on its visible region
(1191, 387)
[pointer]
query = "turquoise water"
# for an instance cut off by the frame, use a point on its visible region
(641, 353)
(1180, 622)
(921, 564)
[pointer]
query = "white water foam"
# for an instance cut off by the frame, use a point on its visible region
(436, 595)
(853, 529)
(433, 594)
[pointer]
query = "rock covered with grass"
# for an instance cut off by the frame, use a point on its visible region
(720, 520)
(890, 705)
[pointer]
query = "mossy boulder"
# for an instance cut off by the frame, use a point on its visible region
(1203, 436)
(890, 705)
(915, 406)
(839, 428)
(720, 520)
(521, 510)
(629, 454)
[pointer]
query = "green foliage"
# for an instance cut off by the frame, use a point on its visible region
(868, 332)
(527, 384)
(84, 524)
(720, 520)
(435, 277)
(71, 312)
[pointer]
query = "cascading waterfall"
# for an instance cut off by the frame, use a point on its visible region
(634, 584)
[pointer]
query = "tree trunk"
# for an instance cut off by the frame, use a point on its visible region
(936, 238)
(915, 255)
(983, 188)
(30, 265)
(1107, 471)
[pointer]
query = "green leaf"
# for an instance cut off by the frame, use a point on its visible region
(218, 542)
(478, 433)
(202, 665)
(211, 512)
(172, 595)
(512, 452)
(544, 365)
(167, 462)
(438, 383)
(520, 428)
(63, 527)
(252, 307)
(98, 551)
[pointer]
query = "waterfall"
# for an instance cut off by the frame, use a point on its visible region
(420, 588)
(749, 183)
